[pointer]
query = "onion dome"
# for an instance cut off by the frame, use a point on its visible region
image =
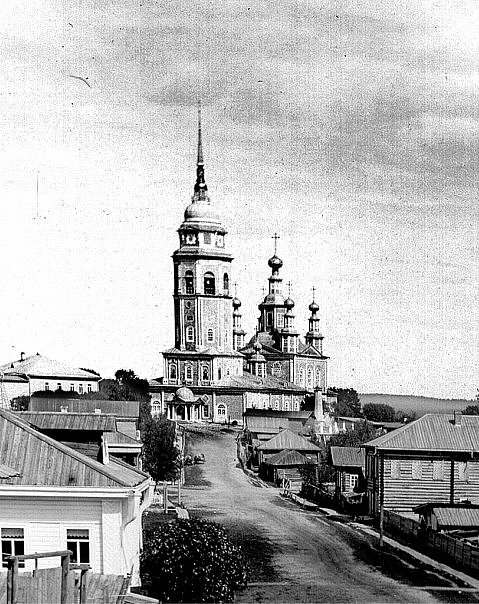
(275, 263)
(313, 307)
(289, 303)
(185, 395)
(236, 303)
(257, 346)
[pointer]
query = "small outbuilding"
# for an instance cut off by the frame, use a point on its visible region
(349, 464)
(284, 465)
(286, 439)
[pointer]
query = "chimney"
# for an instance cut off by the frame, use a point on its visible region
(22, 356)
(457, 418)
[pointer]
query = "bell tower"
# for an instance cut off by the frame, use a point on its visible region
(202, 273)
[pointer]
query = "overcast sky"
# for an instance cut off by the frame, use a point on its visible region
(350, 128)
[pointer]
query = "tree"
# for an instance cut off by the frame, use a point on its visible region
(363, 431)
(348, 403)
(379, 412)
(20, 403)
(191, 561)
(160, 453)
(471, 410)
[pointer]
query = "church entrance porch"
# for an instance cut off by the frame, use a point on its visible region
(185, 406)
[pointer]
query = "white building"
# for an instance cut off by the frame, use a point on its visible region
(30, 374)
(54, 498)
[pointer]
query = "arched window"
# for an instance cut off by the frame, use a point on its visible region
(189, 283)
(222, 410)
(226, 283)
(310, 377)
(173, 372)
(190, 334)
(318, 377)
(205, 373)
(210, 335)
(189, 373)
(269, 319)
(276, 369)
(301, 376)
(210, 284)
(219, 373)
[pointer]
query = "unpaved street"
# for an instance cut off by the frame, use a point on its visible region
(295, 555)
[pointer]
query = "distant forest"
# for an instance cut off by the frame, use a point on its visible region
(419, 404)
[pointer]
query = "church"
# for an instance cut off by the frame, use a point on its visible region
(210, 374)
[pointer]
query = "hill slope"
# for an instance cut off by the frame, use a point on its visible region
(419, 404)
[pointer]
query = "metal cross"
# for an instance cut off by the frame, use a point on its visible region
(275, 237)
(314, 291)
(289, 284)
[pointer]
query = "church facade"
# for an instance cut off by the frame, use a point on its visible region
(275, 370)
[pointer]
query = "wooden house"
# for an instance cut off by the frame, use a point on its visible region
(54, 498)
(86, 433)
(433, 459)
(349, 464)
(265, 423)
(285, 464)
(286, 439)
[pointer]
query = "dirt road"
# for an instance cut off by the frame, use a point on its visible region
(295, 555)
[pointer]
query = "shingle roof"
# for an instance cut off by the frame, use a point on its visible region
(288, 440)
(433, 432)
(457, 516)
(38, 365)
(70, 421)
(81, 405)
(352, 457)
(287, 458)
(43, 461)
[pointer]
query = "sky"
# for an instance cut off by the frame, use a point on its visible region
(350, 128)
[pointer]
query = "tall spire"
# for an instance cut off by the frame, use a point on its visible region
(200, 184)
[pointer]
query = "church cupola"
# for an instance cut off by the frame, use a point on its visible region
(272, 308)
(256, 361)
(238, 332)
(289, 336)
(314, 337)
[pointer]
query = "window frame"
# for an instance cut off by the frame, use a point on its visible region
(77, 554)
(209, 284)
(15, 544)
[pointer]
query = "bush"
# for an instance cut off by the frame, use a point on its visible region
(191, 561)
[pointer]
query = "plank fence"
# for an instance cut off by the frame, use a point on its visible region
(66, 584)
(459, 552)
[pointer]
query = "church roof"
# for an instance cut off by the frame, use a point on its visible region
(41, 366)
(212, 351)
(185, 394)
(288, 440)
(269, 347)
(252, 382)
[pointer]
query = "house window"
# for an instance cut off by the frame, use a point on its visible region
(89, 387)
(190, 334)
(189, 373)
(395, 468)
(226, 283)
(210, 335)
(72, 387)
(13, 544)
(78, 542)
(189, 285)
(463, 471)
(80, 388)
(222, 410)
(416, 469)
(353, 481)
(155, 408)
(437, 470)
(172, 371)
(47, 386)
(205, 374)
(209, 284)
(207, 238)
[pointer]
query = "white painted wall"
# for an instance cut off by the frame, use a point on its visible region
(39, 384)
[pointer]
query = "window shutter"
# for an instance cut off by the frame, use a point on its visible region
(437, 471)
(416, 469)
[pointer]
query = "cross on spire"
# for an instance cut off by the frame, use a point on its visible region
(235, 285)
(314, 292)
(263, 289)
(275, 237)
(290, 285)
(200, 184)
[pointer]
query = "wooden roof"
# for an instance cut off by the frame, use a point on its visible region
(43, 461)
(288, 440)
(287, 458)
(348, 457)
(57, 420)
(83, 405)
(433, 432)
(39, 365)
